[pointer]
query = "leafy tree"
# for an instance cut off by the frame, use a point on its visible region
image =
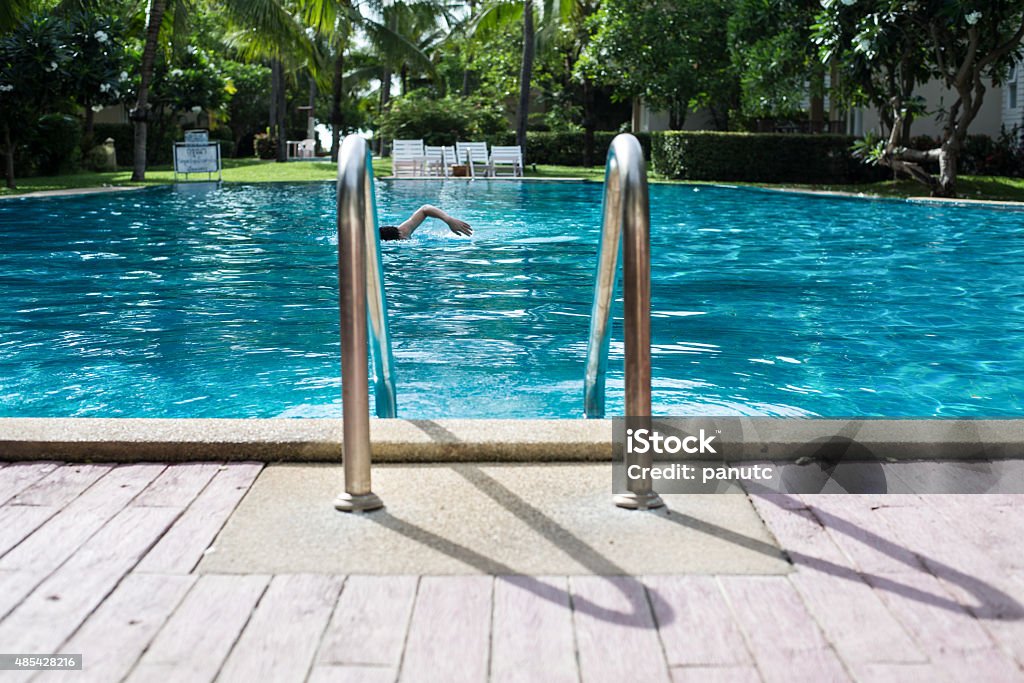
(964, 42)
(772, 53)
(97, 75)
(34, 61)
(670, 52)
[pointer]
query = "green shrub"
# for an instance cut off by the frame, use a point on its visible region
(266, 146)
(759, 157)
(443, 121)
(983, 155)
(566, 148)
(57, 144)
(123, 135)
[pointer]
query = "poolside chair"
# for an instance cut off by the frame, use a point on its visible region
(475, 156)
(307, 148)
(510, 158)
(408, 158)
(435, 161)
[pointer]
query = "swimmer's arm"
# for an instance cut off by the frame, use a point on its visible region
(457, 226)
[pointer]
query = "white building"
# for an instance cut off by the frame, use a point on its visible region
(1003, 108)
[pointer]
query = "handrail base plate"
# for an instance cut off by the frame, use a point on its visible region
(364, 502)
(638, 501)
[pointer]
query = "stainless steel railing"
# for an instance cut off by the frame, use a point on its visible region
(625, 218)
(364, 322)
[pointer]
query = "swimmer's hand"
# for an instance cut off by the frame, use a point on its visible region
(459, 227)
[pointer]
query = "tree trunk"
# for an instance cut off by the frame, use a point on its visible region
(90, 117)
(385, 99)
(588, 123)
(140, 114)
(8, 157)
(949, 156)
(525, 76)
(280, 110)
(336, 91)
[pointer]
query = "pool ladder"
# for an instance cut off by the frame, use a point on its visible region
(364, 319)
(625, 222)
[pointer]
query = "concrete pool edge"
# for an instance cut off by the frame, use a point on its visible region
(471, 440)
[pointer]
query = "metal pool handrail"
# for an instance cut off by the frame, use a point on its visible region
(625, 217)
(364, 318)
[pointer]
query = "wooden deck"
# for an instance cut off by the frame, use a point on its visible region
(99, 560)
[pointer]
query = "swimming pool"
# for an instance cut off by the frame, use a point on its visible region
(199, 302)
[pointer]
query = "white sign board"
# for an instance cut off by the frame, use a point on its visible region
(191, 158)
(197, 137)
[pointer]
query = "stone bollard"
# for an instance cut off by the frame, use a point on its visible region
(111, 154)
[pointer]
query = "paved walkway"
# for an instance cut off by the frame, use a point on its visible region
(101, 560)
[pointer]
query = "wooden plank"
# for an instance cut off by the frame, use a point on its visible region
(450, 630)
(784, 638)
(990, 665)
(532, 637)
(61, 486)
(865, 536)
(715, 674)
(938, 623)
(180, 550)
(178, 485)
(696, 625)
(993, 529)
(60, 603)
(114, 637)
(18, 521)
(194, 642)
(843, 604)
(1003, 620)
(611, 614)
(809, 665)
(18, 476)
(370, 622)
(282, 636)
(897, 673)
(14, 586)
(59, 538)
(352, 674)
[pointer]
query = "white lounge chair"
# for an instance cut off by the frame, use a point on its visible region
(408, 158)
(510, 157)
(439, 160)
(475, 156)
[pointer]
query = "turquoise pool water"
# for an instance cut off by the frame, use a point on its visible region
(193, 302)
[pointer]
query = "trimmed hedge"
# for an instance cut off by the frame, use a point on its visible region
(566, 149)
(759, 157)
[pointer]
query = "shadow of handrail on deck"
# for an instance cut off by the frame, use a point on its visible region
(641, 603)
(647, 609)
(993, 603)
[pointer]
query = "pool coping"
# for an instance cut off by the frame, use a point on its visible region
(71, 192)
(475, 440)
(948, 201)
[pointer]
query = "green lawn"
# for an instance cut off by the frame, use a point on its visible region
(255, 171)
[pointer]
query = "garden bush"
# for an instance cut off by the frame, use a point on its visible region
(759, 157)
(983, 155)
(566, 148)
(56, 144)
(443, 121)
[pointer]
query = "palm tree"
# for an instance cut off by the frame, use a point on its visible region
(140, 114)
(551, 14)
